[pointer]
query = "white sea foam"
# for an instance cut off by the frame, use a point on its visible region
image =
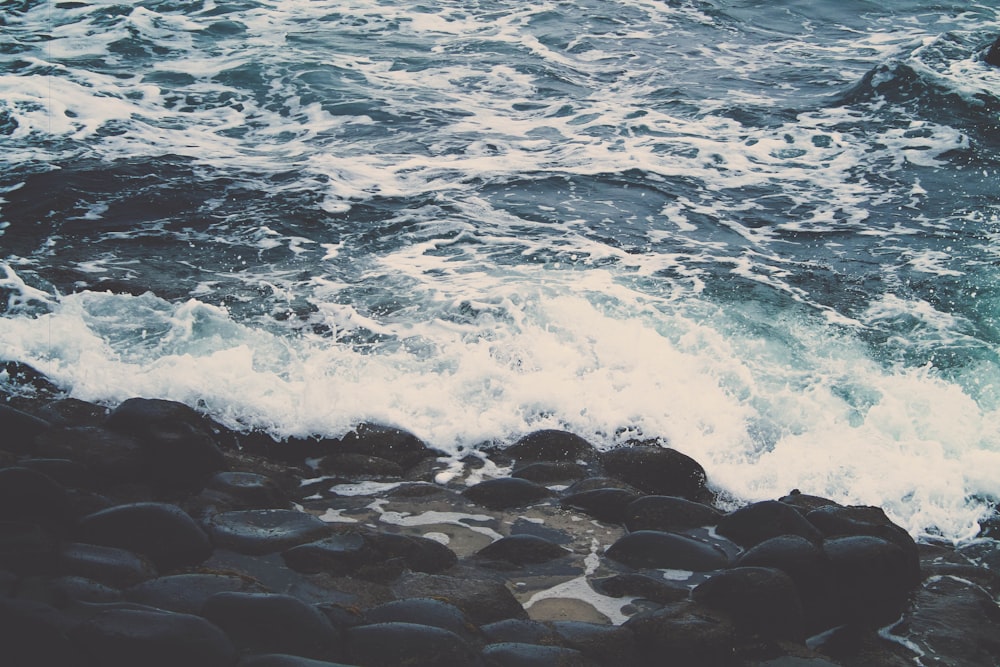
(764, 416)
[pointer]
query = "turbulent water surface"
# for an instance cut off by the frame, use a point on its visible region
(765, 232)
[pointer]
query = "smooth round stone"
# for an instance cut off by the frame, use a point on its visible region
(163, 533)
(506, 492)
(761, 521)
(519, 630)
(761, 601)
(808, 567)
(386, 442)
(662, 550)
(362, 466)
(641, 586)
(176, 439)
(281, 660)
(836, 521)
(394, 644)
(187, 593)
(657, 470)
(683, 634)
(19, 429)
(425, 611)
(551, 445)
(265, 531)
(26, 548)
(522, 550)
(607, 504)
(336, 555)
(33, 634)
(483, 601)
(112, 457)
(153, 639)
(29, 495)
(273, 623)
(871, 576)
(62, 591)
(420, 554)
(668, 513)
(610, 645)
(517, 654)
(549, 472)
(112, 566)
(249, 490)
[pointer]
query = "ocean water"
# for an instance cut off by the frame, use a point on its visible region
(766, 233)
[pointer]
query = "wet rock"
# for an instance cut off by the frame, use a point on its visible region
(806, 503)
(551, 445)
(28, 495)
(657, 470)
(63, 471)
(604, 504)
(26, 548)
(641, 586)
(862, 520)
(33, 634)
(506, 492)
(668, 513)
(264, 531)
(336, 555)
(761, 521)
(177, 440)
(273, 623)
(111, 457)
(517, 654)
(658, 549)
(64, 591)
(187, 593)
(359, 466)
(162, 533)
(72, 412)
(420, 554)
(425, 611)
(247, 490)
(522, 550)
(280, 660)
(992, 56)
(549, 472)
(112, 566)
(761, 602)
(591, 483)
(871, 579)
(519, 630)
(809, 569)
(19, 430)
(153, 639)
(954, 618)
(606, 645)
(388, 443)
(394, 644)
(689, 636)
(483, 601)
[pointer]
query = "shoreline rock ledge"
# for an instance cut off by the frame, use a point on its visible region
(151, 535)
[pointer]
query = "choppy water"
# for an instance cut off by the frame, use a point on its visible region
(763, 231)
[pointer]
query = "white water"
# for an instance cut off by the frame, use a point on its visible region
(801, 407)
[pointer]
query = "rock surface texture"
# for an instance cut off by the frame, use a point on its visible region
(150, 535)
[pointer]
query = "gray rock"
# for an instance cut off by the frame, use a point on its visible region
(264, 531)
(658, 549)
(162, 533)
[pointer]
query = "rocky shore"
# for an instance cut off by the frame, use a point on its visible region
(150, 535)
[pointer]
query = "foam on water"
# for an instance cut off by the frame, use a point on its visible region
(764, 414)
(734, 229)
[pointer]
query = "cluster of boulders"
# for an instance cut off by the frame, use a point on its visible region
(151, 535)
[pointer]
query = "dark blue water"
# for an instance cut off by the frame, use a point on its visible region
(764, 232)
